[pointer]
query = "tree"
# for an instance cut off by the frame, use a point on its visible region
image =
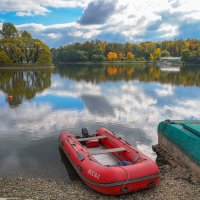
(194, 57)
(151, 57)
(65, 55)
(4, 58)
(98, 57)
(8, 30)
(151, 51)
(147, 56)
(26, 34)
(157, 54)
(185, 55)
(44, 57)
(165, 53)
(130, 56)
(121, 56)
(112, 56)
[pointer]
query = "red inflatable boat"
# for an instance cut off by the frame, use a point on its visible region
(108, 164)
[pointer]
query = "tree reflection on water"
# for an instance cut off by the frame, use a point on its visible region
(23, 85)
(187, 76)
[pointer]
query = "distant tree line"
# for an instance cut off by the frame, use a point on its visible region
(97, 50)
(18, 47)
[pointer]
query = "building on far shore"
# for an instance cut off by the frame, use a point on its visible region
(172, 60)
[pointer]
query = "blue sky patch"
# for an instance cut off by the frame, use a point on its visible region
(56, 16)
(61, 103)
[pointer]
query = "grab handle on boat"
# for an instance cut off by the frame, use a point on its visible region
(80, 156)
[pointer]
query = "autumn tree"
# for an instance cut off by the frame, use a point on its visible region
(149, 51)
(130, 56)
(20, 48)
(157, 54)
(112, 56)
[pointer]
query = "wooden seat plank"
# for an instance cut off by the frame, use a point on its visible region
(91, 138)
(104, 151)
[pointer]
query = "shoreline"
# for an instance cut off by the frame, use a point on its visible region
(173, 185)
(24, 67)
(107, 62)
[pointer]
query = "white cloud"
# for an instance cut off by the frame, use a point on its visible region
(38, 7)
(168, 30)
(23, 6)
(131, 21)
(55, 35)
(165, 90)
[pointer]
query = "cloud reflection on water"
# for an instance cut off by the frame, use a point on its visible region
(132, 109)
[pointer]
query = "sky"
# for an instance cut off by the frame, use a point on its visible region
(61, 22)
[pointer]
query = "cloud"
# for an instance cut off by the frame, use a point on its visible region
(113, 21)
(38, 7)
(61, 33)
(22, 7)
(165, 91)
(98, 12)
(175, 3)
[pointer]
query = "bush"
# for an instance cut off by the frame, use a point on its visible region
(71, 55)
(98, 58)
(4, 58)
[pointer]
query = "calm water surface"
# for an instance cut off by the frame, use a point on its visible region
(129, 100)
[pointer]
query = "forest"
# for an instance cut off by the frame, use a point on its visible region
(97, 50)
(18, 47)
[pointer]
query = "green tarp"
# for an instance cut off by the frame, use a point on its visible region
(185, 134)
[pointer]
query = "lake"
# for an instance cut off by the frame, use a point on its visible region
(35, 106)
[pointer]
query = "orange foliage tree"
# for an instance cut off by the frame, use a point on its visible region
(112, 56)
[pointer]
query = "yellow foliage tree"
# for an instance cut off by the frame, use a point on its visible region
(102, 46)
(112, 56)
(157, 54)
(130, 56)
(151, 57)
